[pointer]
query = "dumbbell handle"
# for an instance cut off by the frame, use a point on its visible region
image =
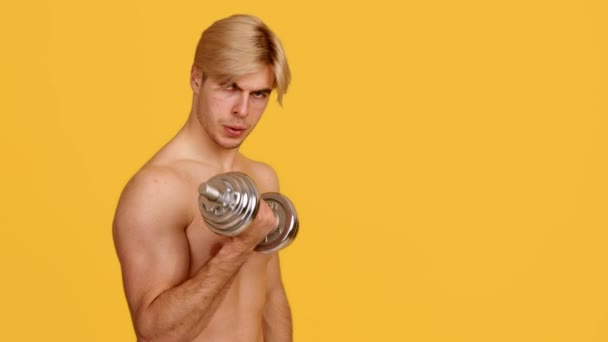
(212, 193)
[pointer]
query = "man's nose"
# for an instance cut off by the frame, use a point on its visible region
(241, 106)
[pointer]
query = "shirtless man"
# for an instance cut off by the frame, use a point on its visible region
(183, 282)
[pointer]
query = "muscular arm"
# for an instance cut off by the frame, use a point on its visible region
(181, 313)
(277, 314)
(149, 230)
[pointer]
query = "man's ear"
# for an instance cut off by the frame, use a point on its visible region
(196, 79)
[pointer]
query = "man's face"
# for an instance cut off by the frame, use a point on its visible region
(229, 111)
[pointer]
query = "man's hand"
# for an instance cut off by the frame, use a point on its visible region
(262, 224)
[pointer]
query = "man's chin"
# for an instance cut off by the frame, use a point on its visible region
(231, 144)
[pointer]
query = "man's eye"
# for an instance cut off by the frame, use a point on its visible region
(259, 94)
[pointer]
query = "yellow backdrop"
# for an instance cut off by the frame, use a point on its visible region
(448, 160)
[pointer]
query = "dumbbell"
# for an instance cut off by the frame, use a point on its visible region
(229, 202)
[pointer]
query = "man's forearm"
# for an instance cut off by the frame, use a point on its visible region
(183, 312)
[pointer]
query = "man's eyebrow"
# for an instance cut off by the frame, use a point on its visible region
(264, 90)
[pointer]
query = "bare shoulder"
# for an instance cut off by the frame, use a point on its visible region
(264, 175)
(149, 233)
(154, 192)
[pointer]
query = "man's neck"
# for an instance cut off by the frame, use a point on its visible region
(199, 146)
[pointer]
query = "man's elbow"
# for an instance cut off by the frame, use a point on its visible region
(144, 330)
(147, 328)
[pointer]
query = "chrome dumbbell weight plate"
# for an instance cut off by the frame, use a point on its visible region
(287, 228)
(228, 202)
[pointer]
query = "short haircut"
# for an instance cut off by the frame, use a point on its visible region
(239, 45)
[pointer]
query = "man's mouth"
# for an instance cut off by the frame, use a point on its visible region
(234, 131)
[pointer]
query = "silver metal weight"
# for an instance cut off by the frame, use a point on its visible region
(229, 202)
(287, 229)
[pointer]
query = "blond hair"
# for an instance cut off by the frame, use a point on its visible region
(239, 45)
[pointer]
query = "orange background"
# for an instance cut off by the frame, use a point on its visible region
(447, 159)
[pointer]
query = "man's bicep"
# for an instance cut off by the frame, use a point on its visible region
(151, 267)
(150, 241)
